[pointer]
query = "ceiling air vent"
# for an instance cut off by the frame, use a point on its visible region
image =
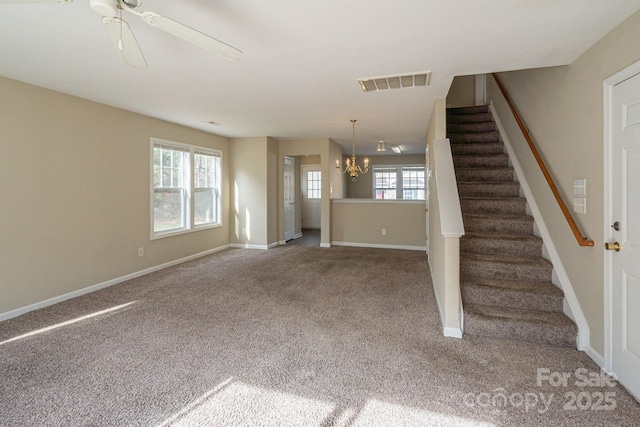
(400, 81)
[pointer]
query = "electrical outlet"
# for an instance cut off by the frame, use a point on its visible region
(244, 231)
(384, 231)
(140, 251)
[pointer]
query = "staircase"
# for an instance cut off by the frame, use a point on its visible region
(505, 282)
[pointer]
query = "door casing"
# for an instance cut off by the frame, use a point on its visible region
(609, 234)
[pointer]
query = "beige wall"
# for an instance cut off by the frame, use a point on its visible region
(249, 196)
(563, 108)
(310, 160)
(298, 190)
(462, 92)
(362, 187)
(338, 179)
(360, 222)
(75, 180)
(272, 190)
(254, 183)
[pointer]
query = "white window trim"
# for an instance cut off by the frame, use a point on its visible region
(315, 190)
(189, 227)
(399, 180)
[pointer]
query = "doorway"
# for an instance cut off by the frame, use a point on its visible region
(311, 180)
(622, 227)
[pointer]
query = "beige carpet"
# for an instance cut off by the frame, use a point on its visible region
(293, 336)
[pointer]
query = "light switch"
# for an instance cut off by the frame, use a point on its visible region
(580, 187)
(580, 205)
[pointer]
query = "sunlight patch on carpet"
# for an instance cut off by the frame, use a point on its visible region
(68, 322)
(237, 403)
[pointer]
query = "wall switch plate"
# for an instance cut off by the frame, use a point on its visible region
(580, 205)
(580, 187)
(140, 251)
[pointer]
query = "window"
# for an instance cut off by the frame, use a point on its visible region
(207, 186)
(314, 185)
(399, 182)
(384, 183)
(413, 182)
(186, 188)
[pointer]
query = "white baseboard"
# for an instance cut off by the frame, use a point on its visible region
(55, 300)
(452, 332)
(380, 246)
(594, 355)
(248, 246)
(284, 242)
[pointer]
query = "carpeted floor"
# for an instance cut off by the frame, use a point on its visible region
(292, 336)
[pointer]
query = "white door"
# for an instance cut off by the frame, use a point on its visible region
(289, 198)
(311, 196)
(624, 217)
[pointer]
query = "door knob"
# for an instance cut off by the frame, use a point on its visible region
(612, 246)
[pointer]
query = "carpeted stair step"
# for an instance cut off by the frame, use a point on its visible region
(525, 295)
(484, 174)
(493, 136)
(527, 325)
(504, 296)
(474, 109)
(477, 148)
(487, 160)
(505, 267)
(505, 224)
(496, 205)
(469, 118)
(471, 127)
(489, 189)
(524, 245)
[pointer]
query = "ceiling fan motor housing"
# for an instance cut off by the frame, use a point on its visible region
(105, 7)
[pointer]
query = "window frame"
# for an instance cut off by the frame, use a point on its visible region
(421, 168)
(189, 187)
(314, 182)
(391, 188)
(399, 179)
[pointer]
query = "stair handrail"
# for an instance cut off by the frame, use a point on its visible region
(582, 240)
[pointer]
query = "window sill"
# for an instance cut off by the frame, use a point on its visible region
(156, 236)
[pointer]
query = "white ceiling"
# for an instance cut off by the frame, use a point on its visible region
(301, 59)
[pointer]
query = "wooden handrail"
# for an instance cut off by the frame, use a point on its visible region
(582, 241)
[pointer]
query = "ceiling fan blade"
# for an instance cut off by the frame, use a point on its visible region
(124, 42)
(191, 35)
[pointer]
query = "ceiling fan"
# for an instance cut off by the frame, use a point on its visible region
(122, 37)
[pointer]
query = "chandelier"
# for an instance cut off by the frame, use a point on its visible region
(353, 169)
